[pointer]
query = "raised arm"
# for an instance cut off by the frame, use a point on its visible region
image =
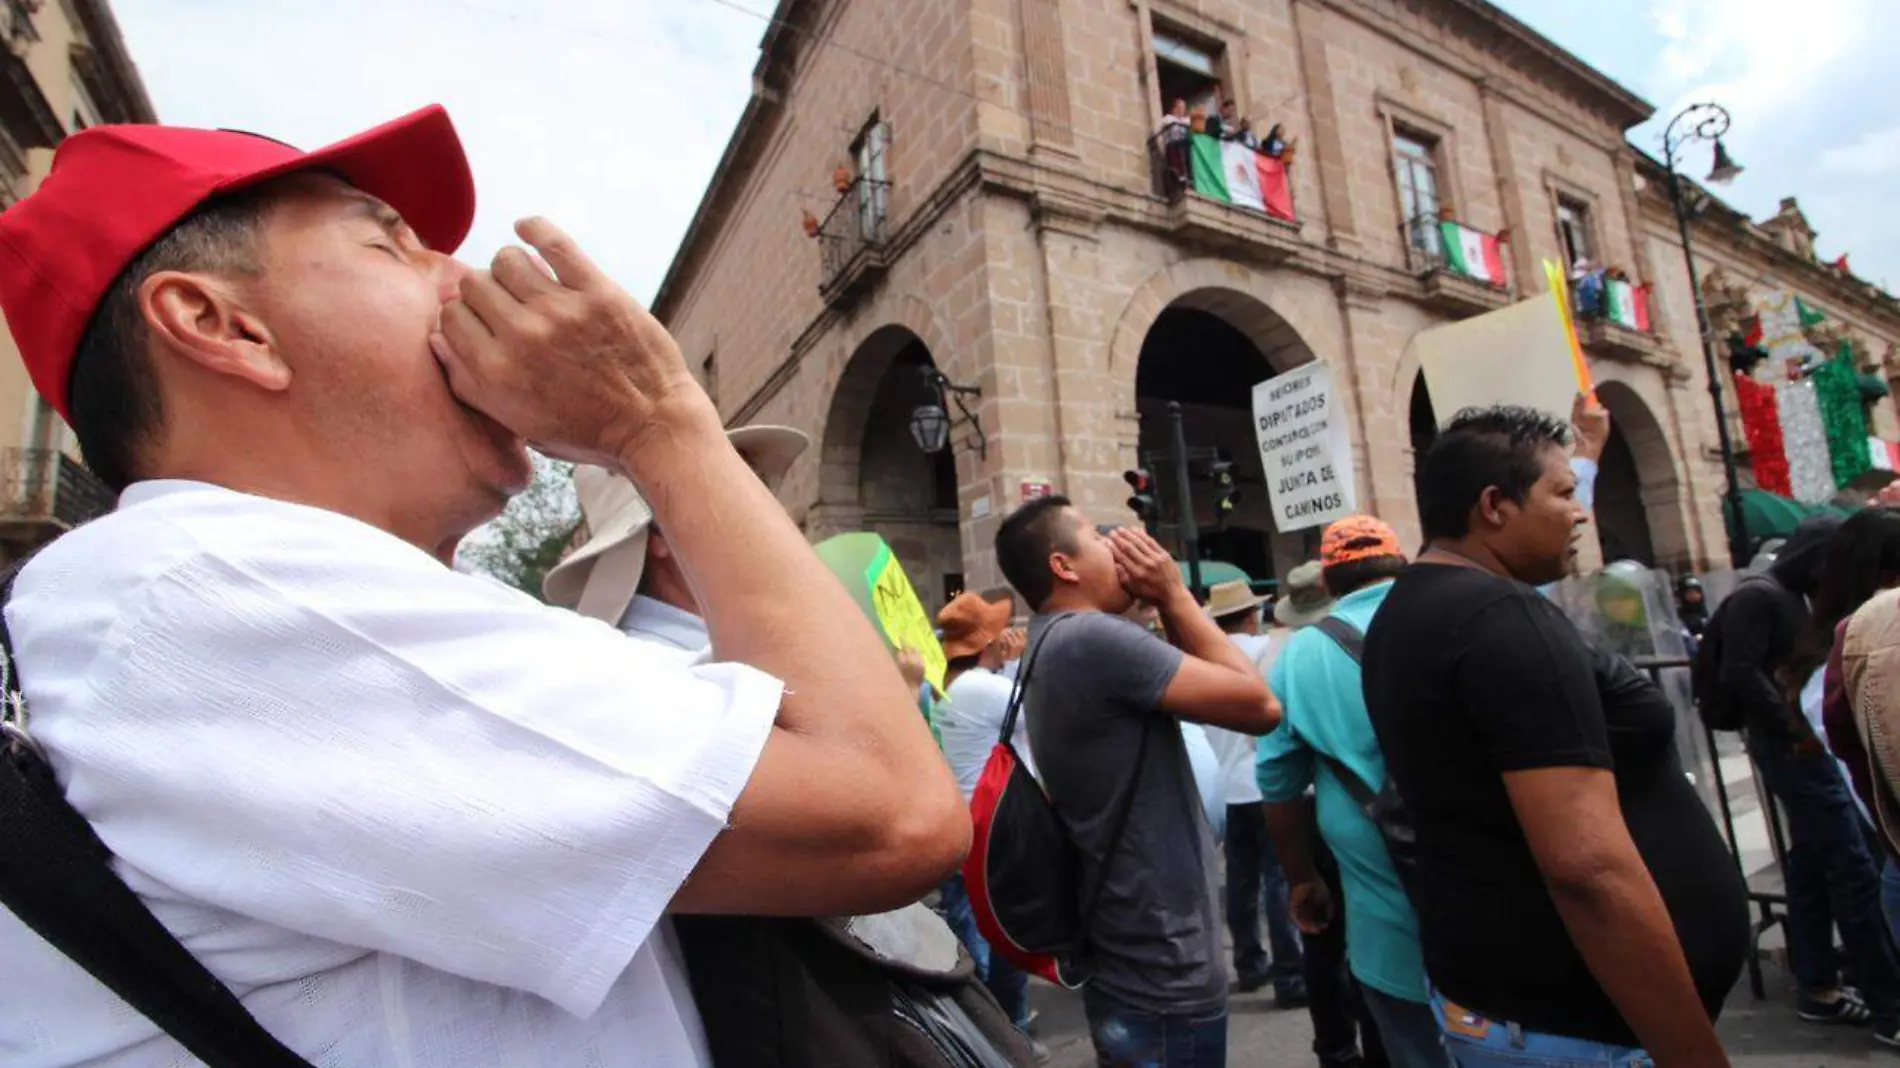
(850, 808)
(1216, 684)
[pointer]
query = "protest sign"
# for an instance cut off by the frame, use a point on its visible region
(1305, 451)
(1520, 355)
(868, 569)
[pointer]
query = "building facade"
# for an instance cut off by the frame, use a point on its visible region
(66, 68)
(977, 190)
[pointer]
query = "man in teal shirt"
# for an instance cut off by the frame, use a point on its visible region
(1326, 728)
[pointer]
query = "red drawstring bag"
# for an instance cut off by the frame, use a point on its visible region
(1023, 873)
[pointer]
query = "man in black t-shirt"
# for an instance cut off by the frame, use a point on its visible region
(1576, 904)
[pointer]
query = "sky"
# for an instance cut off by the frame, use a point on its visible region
(609, 116)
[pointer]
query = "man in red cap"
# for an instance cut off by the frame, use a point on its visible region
(409, 816)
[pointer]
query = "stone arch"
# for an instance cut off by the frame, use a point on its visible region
(1639, 499)
(1206, 349)
(856, 367)
(1238, 294)
(872, 476)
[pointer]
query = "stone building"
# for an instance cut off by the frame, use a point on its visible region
(66, 69)
(973, 188)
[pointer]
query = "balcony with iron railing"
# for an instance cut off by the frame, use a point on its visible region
(1462, 270)
(851, 239)
(47, 492)
(1244, 208)
(1612, 316)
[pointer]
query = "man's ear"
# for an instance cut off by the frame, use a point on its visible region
(202, 319)
(1491, 505)
(1063, 568)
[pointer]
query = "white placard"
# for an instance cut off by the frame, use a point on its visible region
(1518, 354)
(1304, 448)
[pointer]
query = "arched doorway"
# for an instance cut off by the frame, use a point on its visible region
(1207, 350)
(874, 476)
(1638, 500)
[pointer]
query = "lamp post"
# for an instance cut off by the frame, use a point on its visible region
(1708, 122)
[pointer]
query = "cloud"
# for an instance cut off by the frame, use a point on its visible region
(1875, 154)
(607, 116)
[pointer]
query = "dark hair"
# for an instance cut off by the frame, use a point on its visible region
(1501, 446)
(1342, 579)
(115, 405)
(956, 665)
(1232, 622)
(1023, 545)
(1862, 556)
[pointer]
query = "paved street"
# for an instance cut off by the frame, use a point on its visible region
(1764, 1034)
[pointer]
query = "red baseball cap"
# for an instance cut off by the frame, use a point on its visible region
(114, 190)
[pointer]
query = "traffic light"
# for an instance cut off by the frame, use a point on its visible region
(1143, 502)
(1226, 492)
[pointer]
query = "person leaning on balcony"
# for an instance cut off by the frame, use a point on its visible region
(1175, 135)
(410, 816)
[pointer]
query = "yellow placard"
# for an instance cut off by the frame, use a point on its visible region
(902, 615)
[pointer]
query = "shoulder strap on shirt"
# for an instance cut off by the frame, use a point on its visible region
(1353, 641)
(56, 876)
(1349, 637)
(1021, 685)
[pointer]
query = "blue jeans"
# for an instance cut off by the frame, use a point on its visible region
(1126, 1037)
(1890, 897)
(1476, 1042)
(1832, 879)
(1008, 984)
(1408, 1029)
(1254, 874)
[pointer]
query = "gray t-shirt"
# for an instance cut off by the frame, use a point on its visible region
(1155, 936)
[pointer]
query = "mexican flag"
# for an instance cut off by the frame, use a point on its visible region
(1619, 303)
(1232, 173)
(1885, 454)
(1473, 254)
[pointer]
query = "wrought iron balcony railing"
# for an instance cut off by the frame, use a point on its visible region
(48, 486)
(856, 225)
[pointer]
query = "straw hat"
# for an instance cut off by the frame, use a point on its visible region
(968, 624)
(1304, 600)
(599, 578)
(1232, 598)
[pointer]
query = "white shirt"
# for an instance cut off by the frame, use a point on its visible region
(1235, 750)
(666, 627)
(410, 817)
(971, 719)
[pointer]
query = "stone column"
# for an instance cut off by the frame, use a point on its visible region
(1081, 396)
(1323, 145)
(1512, 191)
(1046, 73)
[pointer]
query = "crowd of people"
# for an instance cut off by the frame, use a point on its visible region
(402, 815)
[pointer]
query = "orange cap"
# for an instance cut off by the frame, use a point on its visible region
(1358, 537)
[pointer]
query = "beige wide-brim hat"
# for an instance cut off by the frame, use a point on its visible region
(599, 578)
(1305, 600)
(1232, 598)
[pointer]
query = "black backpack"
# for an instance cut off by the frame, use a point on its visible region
(1385, 808)
(1713, 702)
(890, 991)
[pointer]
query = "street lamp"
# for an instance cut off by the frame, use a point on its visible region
(930, 424)
(1708, 122)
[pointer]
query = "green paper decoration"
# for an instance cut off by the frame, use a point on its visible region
(1837, 387)
(1808, 316)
